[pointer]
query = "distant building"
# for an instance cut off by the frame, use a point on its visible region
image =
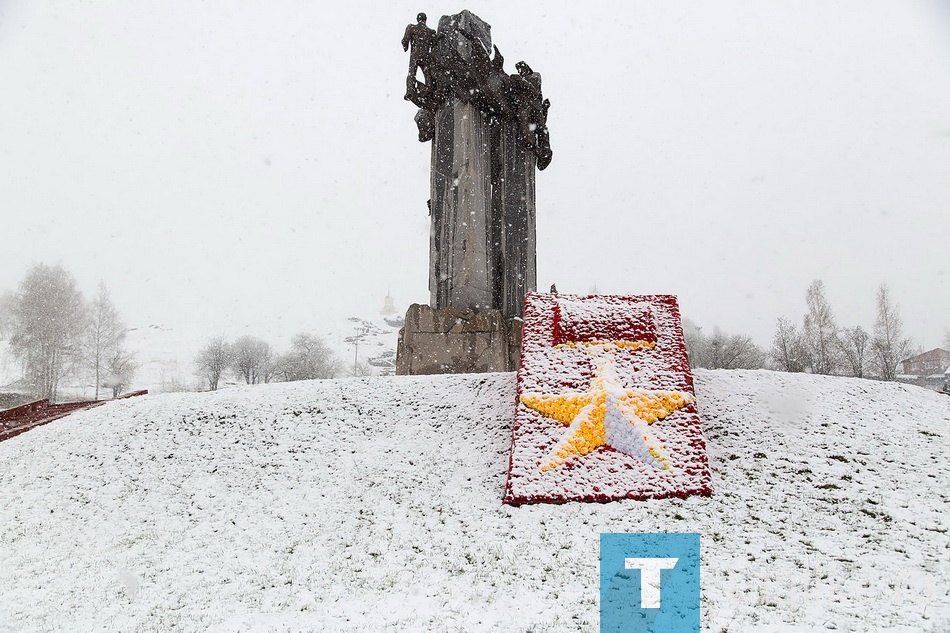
(934, 362)
(389, 306)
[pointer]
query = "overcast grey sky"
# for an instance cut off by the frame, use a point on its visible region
(225, 165)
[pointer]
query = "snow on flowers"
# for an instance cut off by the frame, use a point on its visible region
(606, 407)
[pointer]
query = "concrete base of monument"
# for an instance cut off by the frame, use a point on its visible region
(451, 341)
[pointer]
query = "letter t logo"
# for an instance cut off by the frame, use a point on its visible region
(650, 578)
(651, 554)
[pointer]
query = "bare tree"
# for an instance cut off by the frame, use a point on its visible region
(889, 346)
(855, 347)
(788, 350)
(695, 342)
(308, 358)
(721, 350)
(213, 360)
(252, 359)
(820, 333)
(103, 342)
(49, 318)
(270, 371)
(120, 368)
(733, 351)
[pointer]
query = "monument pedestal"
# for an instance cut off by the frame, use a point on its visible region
(453, 341)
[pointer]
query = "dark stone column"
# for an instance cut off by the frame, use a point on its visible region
(460, 205)
(513, 202)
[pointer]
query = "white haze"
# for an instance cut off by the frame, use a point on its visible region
(232, 167)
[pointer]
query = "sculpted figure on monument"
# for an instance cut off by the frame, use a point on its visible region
(425, 121)
(459, 60)
(544, 152)
(456, 63)
(419, 40)
(490, 82)
(531, 111)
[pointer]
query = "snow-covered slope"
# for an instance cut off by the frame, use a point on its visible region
(373, 504)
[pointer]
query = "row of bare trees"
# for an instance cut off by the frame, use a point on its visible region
(54, 333)
(252, 360)
(820, 346)
(721, 350)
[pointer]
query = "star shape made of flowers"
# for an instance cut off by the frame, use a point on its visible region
(607, 414)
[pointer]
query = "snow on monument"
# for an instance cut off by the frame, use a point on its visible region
(489, 134)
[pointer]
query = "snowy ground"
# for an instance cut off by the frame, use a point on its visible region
(375, 504)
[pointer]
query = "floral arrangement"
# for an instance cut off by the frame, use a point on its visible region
(605, 405)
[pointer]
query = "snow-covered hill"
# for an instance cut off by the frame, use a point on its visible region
(375, 504)
(166, 355)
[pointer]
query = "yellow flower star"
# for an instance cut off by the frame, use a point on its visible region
(607, 414)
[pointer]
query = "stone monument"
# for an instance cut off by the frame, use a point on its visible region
(489, 134)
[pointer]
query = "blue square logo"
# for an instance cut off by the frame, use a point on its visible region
(649, 583)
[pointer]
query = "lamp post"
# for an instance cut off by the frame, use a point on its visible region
(361, 331)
